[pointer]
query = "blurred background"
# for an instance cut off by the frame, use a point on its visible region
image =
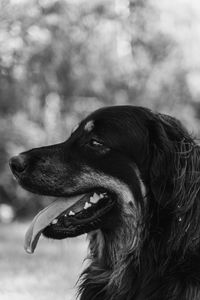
(60, 60)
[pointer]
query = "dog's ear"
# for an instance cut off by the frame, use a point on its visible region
(167, 140)
(174, 176)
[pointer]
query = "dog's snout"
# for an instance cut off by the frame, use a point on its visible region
(18, 163)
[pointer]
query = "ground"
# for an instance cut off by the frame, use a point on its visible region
(50, 273)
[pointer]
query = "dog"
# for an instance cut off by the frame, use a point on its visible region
(130, 179)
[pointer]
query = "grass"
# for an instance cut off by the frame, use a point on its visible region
(50, 273)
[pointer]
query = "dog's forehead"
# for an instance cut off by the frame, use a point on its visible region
(116, 119)
(89, 126)
(100, 124)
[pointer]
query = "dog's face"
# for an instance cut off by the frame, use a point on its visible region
(102, 168)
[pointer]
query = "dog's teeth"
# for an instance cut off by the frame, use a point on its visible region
(55, 221)
(87, 205)
(102, 196)
(71, 213)
(92, 200)
(95, 198)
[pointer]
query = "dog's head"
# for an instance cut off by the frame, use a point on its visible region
(117, 164)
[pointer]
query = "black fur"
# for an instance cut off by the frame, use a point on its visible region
(151, 252)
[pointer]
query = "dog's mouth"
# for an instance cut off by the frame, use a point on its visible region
(70, 217)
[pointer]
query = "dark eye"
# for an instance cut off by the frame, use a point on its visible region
(98, 145)
(94, 143)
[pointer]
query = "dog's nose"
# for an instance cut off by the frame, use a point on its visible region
(18, 163)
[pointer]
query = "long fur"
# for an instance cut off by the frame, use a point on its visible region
(160, 259)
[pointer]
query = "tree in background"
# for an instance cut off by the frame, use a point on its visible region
(59, 60)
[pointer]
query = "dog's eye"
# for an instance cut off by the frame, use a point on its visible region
(95, 143)
(98, 145)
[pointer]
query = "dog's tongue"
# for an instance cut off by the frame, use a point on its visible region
(44, 218)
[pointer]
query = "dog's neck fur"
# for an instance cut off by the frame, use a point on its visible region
(125, 261)
(111, 255)
(117, 275)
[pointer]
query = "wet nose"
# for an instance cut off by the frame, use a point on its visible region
(18, 163)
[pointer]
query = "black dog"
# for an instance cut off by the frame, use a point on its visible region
(131, 179)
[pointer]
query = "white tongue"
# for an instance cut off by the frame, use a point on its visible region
(44, 218)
